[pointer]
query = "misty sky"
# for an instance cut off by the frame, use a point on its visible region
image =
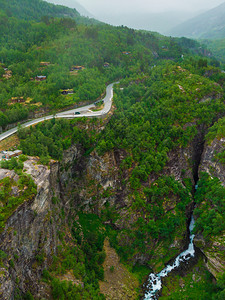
(97, 7)
(156, 15)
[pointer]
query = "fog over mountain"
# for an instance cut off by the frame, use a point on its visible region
(158, 21)
(156, 15)
(73, 4)
(210, 24)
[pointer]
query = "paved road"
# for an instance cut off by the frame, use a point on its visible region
(84, 112)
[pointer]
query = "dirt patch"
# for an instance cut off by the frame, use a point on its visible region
(9, 142)
(70, 277)
(118, 282)
(97, 108)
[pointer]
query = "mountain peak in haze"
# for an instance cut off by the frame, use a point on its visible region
(73, 4)
(81, 9)
(210, 24)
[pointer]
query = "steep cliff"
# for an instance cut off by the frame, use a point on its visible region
(99, 184)
(29, 240)
(212, 244)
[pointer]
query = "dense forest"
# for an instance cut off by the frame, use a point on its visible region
(52, 46)
(170, 92)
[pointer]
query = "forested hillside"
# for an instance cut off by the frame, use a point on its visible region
(208, 25)
(37, 10)
(217, 46)
(54, 47)
(127, 181)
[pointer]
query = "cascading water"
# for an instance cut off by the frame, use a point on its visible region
(154, 283)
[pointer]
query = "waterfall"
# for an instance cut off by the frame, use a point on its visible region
(154, 283)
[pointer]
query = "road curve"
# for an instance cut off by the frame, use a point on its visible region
(69, 114)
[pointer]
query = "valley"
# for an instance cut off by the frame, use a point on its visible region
(109, 191)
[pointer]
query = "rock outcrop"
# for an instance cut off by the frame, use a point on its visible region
(29, 237)
(208, 162)
(214, 248)
(89, 183)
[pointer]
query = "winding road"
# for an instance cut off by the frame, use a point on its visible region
(84, 111)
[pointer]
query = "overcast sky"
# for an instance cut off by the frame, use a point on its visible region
(97, 7)
(156, 15)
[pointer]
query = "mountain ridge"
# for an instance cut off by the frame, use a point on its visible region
(35, 10)
(80, 8)
(209, 24)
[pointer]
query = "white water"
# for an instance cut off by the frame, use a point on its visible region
(155, 280)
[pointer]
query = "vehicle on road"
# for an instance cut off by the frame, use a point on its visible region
(67, 114)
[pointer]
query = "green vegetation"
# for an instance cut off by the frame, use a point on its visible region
(84, 260)
(12, 164)
(160, 217)
(66, 290)
(210, 211)
(168, 93)
(26, 190)
(159, 113)
(221, 288)
(217, 131)
(49, 139)
(93, 235)
(217, 46)
(156, 113)
(28, 42)
(197, 284)
(36, 10)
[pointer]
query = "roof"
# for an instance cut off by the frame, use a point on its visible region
(18, 151)
(41, 76)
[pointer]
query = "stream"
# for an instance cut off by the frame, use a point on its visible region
(154, 284)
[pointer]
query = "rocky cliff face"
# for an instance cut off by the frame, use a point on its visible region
(89, 183)
(99, 181)
(208, 162)
(214, 248)
(29, 238)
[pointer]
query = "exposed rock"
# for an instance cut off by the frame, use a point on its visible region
(70, 277)
(90, 183)
(214, 249)
(28, 233)
(209, 164)
(8, 173)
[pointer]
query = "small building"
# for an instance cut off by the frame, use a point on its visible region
(67, 92)
(8, 74)
(77, 68)
(40, 78)
(106, 65)
(18, 152)
(15, 100)
(10, 154)
(126, 52)
(44, 63)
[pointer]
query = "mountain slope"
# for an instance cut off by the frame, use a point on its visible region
(160, 22)
(37, 9)
(75, 5)
(127, 178)
(210, 24)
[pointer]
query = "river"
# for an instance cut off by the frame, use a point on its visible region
(154, 284)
